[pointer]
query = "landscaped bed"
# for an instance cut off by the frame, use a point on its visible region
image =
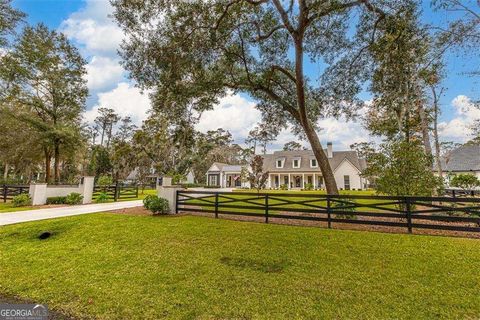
(142, 267)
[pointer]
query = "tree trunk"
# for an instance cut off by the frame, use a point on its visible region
(322, 159)
(103, 135)
(435, 132)
(5, 173)
(57, 163)
(425, 133)
(48, 162)
(312, 136)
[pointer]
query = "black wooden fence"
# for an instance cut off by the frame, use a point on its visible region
(458, 193)
(116, 192)
(7, 192)
(442, 213)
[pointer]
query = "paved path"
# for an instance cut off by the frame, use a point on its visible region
(49, 213)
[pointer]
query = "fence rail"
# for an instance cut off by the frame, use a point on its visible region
(116, 192)
(458, 193)
(440, 213)
(7, 192)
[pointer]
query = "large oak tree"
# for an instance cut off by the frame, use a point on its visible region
(193, 52)
(43, 85)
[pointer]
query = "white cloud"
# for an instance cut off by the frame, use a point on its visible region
(459, 128)
(126, 100)
(339, 131)
(103, 72)
(233, 113)
(93, 28)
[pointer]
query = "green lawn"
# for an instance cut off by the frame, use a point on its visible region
(225, 200)
(8, 206)
(140, 267)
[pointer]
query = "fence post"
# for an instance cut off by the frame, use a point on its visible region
(116, 193)
(216, 205)
(329, 213)
(176, 200)
(4, 193)
(409, 214)
(136, 191)
(266, 208)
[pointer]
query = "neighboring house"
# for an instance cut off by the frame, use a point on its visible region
(296, 169)
(464, 159)
(224, 175)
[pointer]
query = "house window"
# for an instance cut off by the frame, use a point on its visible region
(313, 163)
(213, 180)
(296, 163)
(346, 182)
(279, 163)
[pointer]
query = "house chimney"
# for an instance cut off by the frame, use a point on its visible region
(329, 150)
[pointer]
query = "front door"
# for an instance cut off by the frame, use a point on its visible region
(298, 182)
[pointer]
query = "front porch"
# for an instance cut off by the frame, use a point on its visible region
(295, 180)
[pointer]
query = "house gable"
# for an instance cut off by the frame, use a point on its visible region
(346, 162)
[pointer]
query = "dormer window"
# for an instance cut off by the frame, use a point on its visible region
(296, 163)
(279, 163)
(313, 163)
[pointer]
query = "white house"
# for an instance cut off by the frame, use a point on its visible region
(462, 160)
(296, 169)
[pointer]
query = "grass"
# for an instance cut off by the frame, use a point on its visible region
(8, 207)
(296, 196)
(142, 267)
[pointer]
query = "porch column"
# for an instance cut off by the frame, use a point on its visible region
(269, 181)
(314, 181)
(303, 180)
(288, 186)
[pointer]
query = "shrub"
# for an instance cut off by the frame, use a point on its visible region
(74, 198)
(345, 207)
(283, 187)
(102, 197)
(104, 181)
(56, 200)
(22, 200)
(465, 181)
(156, 205)
(308, 187)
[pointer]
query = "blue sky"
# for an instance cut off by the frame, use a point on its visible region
(87, 24)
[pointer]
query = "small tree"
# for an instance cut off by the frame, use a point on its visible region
(244, 175)
(402, 168)
(257, 177)
(465, 181)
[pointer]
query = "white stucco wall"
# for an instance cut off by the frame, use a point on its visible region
(62, 191)
(344, 169)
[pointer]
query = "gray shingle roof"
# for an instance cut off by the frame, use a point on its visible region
(269, 161)
(464, 158)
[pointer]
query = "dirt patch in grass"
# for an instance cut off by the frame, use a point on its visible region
(52, 314)
(136, 211)
(140, 211)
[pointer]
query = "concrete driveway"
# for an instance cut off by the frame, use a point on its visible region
(50, 213)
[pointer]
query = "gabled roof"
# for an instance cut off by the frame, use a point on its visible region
(464, 158)
(217, 166)
(305, 155)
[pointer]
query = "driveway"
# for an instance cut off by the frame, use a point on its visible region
(50, 213)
